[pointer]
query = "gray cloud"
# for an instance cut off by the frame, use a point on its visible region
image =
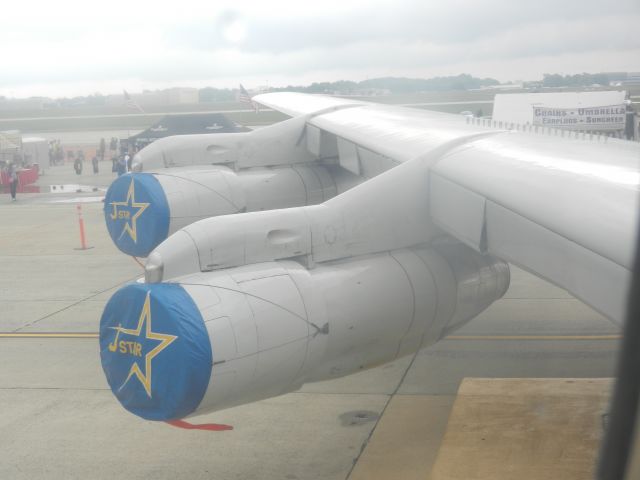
(408, 20)
(406, 37)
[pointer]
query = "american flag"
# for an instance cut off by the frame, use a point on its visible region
(244, 97)
(130, 103)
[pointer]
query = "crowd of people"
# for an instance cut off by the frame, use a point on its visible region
(56, 153)
(121, 158)
(121, 161)
(9, 173)
(121, 164)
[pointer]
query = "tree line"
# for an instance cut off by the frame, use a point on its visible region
(579, 80)
(397, 85)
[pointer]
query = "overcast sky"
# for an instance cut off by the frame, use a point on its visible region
(68, 47)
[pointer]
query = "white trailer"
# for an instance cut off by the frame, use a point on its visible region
(599, 111)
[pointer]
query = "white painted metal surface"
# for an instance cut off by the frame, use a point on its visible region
(579, 192)
(276, 144)
(195, 193)
(396, 262)
(274, 326)
(297, 104)
(388, 212)
(559, 185)
(550, 205)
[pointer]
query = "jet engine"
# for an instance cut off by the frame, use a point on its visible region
(143, 209)
(212, 340)
(244, 307)
(190, 177)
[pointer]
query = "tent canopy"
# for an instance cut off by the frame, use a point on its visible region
(187, 125)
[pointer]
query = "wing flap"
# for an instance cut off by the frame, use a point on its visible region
(458, 210)
(594, 279)
(548, 206)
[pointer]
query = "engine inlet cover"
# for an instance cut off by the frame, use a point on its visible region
(137, 213)
(155, 350)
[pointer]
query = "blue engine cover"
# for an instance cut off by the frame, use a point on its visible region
(137, 213)
(155, 350)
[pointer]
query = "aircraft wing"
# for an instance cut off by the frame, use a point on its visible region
(252, 305)
(559, 204)
(296, 104)
(553, 207)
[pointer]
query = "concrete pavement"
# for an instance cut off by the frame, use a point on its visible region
(59, 419)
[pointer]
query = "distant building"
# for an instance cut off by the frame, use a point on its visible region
(503, 86)
(33, 103)
(181, 96)
(533, 85)
(365, 92)
(170, 96)
(629, 79)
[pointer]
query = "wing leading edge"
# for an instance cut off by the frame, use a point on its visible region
(296, 104)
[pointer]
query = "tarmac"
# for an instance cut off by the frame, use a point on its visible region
(59, 420)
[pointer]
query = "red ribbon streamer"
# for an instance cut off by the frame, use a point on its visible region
(213, 427)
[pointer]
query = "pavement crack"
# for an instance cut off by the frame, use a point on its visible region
(384, 409)
(30, 324)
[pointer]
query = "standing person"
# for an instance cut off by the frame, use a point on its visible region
(94, 163)
(51, 154)
(128, 159)
(13, 181)
(122, 165)
(77, 165)
(59, 154)
(103, 147)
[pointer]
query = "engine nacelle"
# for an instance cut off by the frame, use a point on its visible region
(217, 339)
(273, 145)
(143, 209)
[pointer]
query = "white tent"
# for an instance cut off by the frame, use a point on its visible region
(35, 150)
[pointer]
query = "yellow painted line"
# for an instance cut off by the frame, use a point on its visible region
(533, 337)
(48, 335)
(451, 337)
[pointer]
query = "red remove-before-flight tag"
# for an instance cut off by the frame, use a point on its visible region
(213, 427)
